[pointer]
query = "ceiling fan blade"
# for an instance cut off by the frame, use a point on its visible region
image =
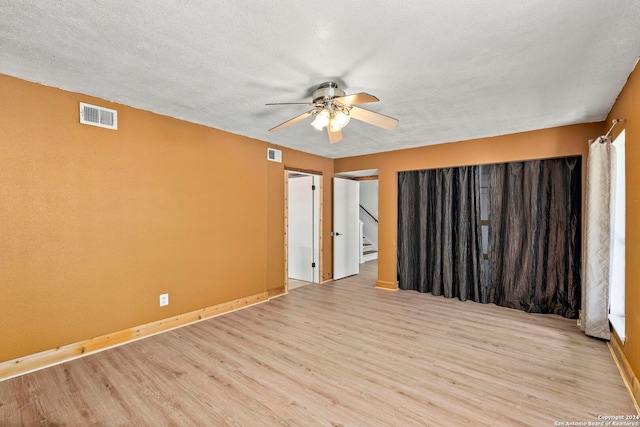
(334, 136)
(372, 118)
(293, 103)
(294, 120)
(357, 98)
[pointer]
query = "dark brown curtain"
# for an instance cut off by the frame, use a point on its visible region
(439, 240)
(534, 235)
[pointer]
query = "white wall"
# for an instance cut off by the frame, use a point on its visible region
(369, 196)
(369, 201)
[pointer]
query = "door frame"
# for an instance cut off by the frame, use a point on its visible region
(319, 245)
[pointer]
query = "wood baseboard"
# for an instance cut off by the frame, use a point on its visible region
(389, 286)
(44, 359)
(276, 292)
(629, 377)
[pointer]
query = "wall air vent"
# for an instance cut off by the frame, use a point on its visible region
(98, 116)
(274, 155)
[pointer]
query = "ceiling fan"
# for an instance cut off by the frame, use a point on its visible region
(333, 109)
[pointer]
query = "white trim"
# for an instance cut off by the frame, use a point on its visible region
(618, 211)
(618, 324)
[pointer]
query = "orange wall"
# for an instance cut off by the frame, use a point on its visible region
(546, 143)
(627, 107)
(96, 223)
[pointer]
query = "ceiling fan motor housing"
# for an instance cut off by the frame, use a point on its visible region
(327, 91)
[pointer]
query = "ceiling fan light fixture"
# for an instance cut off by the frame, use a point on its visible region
(339, 120)
(322, 120)
(334, 110)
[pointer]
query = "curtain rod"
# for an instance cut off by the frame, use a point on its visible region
(614, 122)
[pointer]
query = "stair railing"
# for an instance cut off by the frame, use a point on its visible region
(369, 213)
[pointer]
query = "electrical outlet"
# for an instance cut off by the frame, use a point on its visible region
(164, 300)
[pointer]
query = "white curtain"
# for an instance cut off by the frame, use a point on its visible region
(597, 251)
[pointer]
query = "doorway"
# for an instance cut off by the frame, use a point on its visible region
(355, 222)
(303, 222)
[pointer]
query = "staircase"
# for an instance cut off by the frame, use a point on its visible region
(368, 250)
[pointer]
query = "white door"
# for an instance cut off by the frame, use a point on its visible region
(346, 227)
(302, 231)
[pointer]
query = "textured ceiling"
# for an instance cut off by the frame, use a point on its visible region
(448, 70)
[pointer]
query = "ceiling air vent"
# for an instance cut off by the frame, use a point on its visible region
(274, 155)
(98, 116)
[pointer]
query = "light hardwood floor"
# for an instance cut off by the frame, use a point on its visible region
(338, 354)
(295, 284)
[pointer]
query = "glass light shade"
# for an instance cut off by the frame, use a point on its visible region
(338, 121)
(321, 120)
(342, 119)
